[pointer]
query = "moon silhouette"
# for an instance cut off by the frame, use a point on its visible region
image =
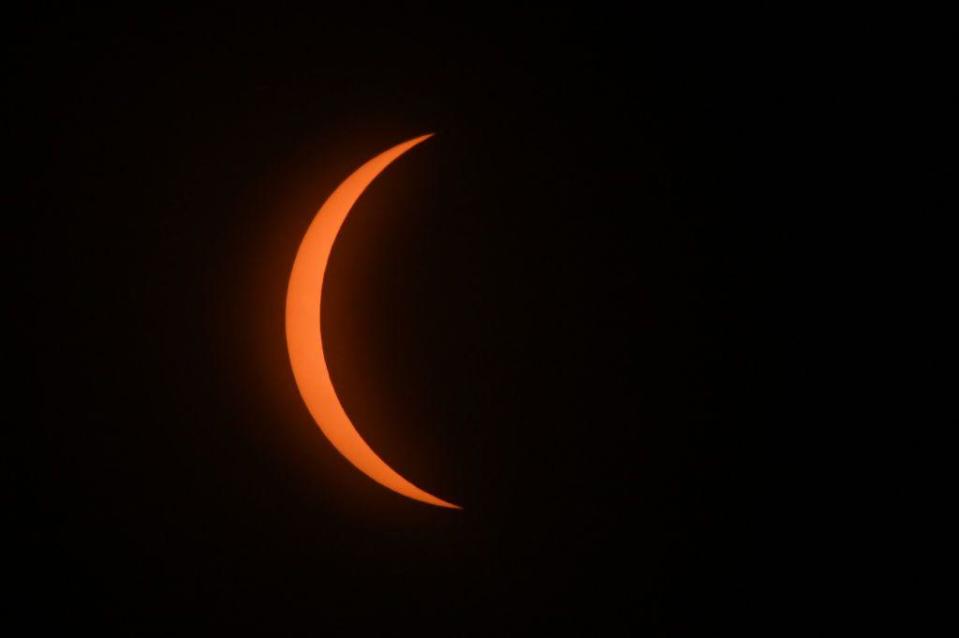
(304, 335)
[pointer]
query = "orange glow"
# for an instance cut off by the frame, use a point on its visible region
(303, 334)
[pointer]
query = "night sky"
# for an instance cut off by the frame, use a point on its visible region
(547, 313)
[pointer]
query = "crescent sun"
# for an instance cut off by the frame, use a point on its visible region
(304, 338)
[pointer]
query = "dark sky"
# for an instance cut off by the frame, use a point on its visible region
(547, 313)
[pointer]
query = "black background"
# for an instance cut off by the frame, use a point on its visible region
(547, 314)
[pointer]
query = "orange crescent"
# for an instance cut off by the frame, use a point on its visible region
(304, 339)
